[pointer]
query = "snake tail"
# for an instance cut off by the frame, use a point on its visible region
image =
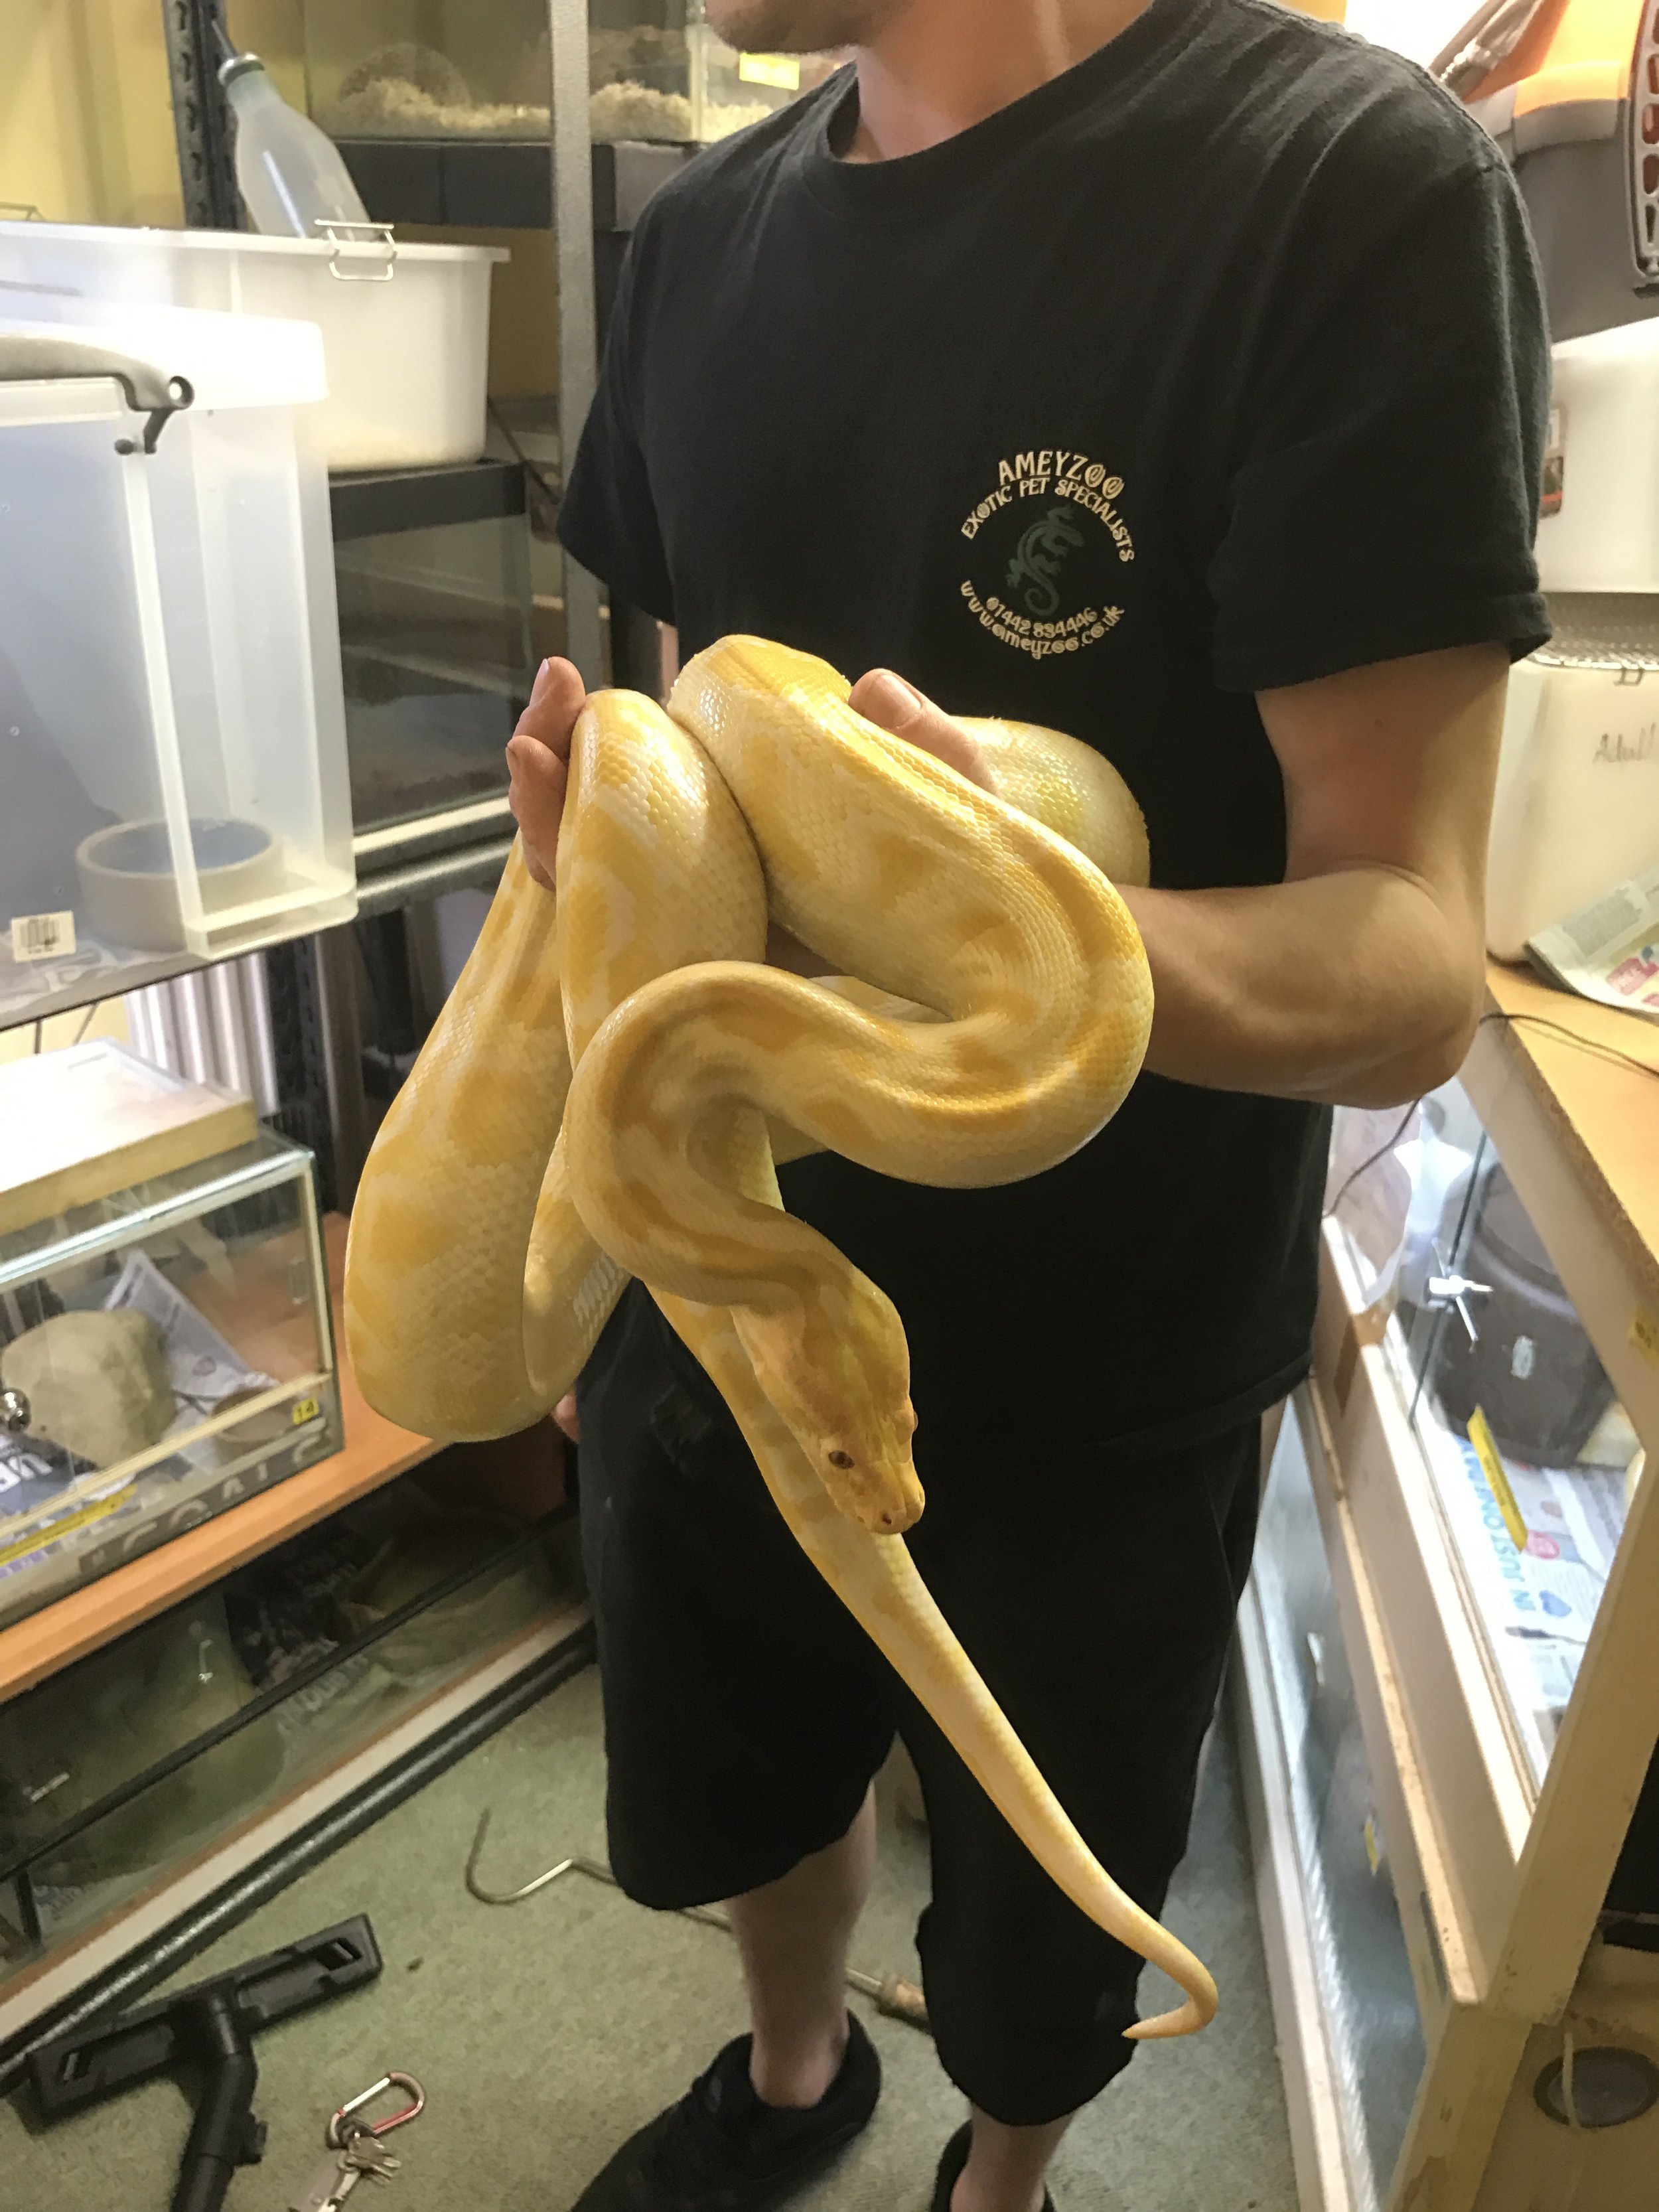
(877, 1580)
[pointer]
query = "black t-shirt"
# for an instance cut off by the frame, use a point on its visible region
(1216, 364)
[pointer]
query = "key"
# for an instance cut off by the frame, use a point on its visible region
(333, 2181)
(327, 2185)
(367, 2154)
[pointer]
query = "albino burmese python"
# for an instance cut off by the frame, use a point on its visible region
(998, 1014)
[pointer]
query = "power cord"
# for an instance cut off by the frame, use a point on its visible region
(545, 484)
(1593, 1045)
(1371, 1158)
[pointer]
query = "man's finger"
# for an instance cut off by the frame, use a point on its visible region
(565, 1414)
(892, 704)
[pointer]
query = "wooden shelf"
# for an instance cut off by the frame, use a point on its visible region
(1606, 1112)
(376, 1451)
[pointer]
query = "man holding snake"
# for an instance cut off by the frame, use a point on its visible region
(1171, 372)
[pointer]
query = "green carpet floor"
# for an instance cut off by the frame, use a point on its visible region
(545, 2032)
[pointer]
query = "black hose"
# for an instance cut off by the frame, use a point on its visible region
(223, 2135)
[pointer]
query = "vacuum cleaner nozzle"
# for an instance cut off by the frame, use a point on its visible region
(210, 2025)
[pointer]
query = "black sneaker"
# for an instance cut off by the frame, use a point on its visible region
(952, 2159)
(720, 2149)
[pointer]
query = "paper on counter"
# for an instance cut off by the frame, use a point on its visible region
(1610, 952)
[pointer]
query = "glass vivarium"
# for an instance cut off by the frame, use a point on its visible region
(1532, 1459)
(434, 640)
(165, 1352)
(139, 1758)
(1368, 2007)
(424, 69)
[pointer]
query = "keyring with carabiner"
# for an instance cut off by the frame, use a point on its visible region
(334, 2137)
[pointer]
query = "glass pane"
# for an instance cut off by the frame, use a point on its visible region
(1368, 2002)
(162, 1361)
(1533, 1459)
(444, 68)
(305, 1615)
(434, 641)
(730, 90)
(425, 69)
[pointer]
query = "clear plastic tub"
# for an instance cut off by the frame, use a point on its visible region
(406, 328)
(172, 765)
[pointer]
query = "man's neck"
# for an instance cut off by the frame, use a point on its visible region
(941, 65)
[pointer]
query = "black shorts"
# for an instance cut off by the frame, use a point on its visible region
(746, 1712)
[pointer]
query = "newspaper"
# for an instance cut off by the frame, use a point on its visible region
(202, 1367)
(1539, 1600)
(1610, 952)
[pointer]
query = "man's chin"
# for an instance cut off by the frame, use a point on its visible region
(796, 27)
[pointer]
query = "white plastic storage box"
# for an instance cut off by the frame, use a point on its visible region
(1600, 528)
(406, 328)
(1577, 807)
(173, 767)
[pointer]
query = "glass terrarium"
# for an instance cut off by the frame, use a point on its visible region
(1367, 2006)
(426, 68)
(435, 644)
(197, 1732)
(165, 1352)
(1532, 1460)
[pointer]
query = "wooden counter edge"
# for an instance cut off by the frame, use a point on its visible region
(376, 1452)
(1607, 1113)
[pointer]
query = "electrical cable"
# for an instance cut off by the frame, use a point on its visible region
(1610, 1052)
(1371, 1158)
(1592, 1045)
(534, 469)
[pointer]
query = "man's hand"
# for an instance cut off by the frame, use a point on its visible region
(538, 764)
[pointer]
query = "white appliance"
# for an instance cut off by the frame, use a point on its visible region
(1600, 528)
(1577, 807)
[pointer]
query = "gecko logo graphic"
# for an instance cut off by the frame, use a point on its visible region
(1037, 560)
(1063, 580)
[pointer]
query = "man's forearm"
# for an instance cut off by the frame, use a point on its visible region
(1353, 988)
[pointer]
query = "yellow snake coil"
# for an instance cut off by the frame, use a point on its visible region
(994, 1012)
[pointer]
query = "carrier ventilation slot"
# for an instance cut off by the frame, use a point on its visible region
(1644, 142)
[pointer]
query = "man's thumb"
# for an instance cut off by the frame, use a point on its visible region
(897, 707)
(888, 700)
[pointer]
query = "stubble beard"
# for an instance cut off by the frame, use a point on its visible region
(799, 26)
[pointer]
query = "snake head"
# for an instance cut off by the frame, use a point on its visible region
(839, 1374)
(873, 1482)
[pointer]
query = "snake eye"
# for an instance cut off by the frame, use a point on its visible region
(841, 1459)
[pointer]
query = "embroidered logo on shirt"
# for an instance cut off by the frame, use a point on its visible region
(1041, 581)
(1038, 559)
